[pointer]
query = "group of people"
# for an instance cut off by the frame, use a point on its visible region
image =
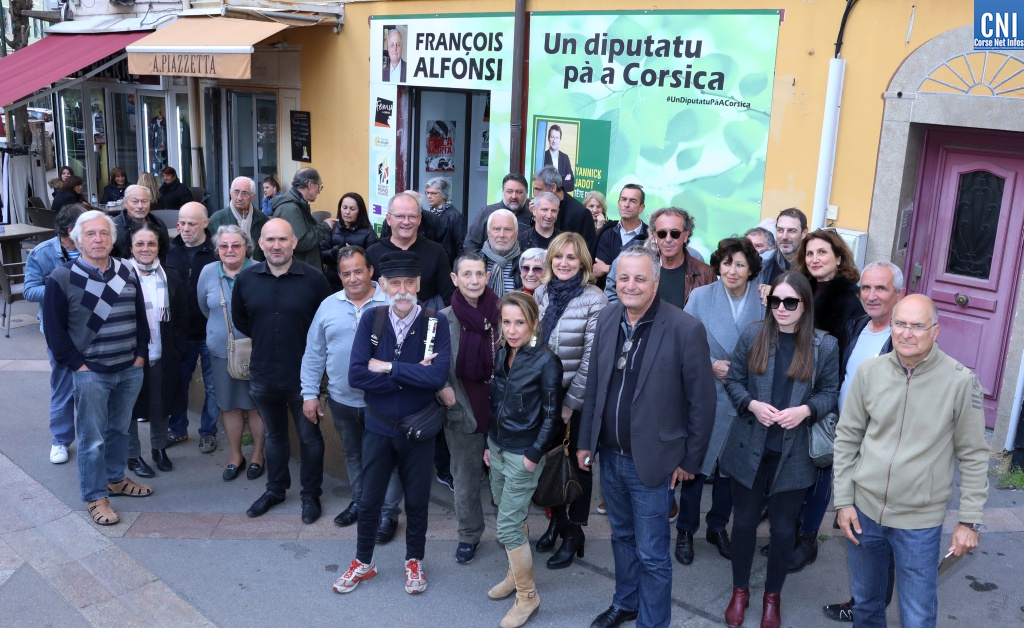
(456, 352)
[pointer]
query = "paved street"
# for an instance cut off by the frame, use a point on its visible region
(188, 555)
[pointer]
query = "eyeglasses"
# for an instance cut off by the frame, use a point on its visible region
(790, 303)
(914, 328)
(320, 187)
(626, 346)
(675, 233)
(405, 218)
(242, 193)
(230, 247)
(533, 270)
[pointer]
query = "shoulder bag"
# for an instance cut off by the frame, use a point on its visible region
(239, 350)
(558, 484)
(821, 436)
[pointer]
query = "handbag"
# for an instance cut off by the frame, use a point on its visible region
(422, 425)
(239, 349)
(558, 484)
(821, 436)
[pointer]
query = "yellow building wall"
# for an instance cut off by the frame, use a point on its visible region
(336, 74)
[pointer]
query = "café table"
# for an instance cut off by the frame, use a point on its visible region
(12, 237)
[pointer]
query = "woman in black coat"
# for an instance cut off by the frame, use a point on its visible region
(70, 194)
(353, 228)
(782, 378)
(114, 191)
(167, 312)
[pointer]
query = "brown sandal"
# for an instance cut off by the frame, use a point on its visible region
(129, 488)
(102, 513)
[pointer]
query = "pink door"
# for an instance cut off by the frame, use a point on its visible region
(965, 250)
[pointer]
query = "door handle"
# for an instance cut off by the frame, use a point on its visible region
(962, 299)
(918, 269)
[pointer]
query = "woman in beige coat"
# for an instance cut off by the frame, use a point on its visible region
(569, 304)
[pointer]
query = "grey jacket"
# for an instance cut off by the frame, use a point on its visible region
(458, 418)
(572, 339)
(744, 445)
(710, 305)
(208, 293)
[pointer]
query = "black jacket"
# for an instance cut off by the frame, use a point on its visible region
(123, 247)
(436, 287)
(337, 238)
(573, 216)
(476, 234)
(447, 229)
(526, 402)
(175, 194)
(173, 334)
(188, 270)
(112, 194)
(853, 328)
(65, 198)
(836, 305)
(609, 242)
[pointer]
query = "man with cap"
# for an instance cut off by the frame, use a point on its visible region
(400, 359)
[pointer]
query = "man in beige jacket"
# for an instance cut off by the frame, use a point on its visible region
(909, 417)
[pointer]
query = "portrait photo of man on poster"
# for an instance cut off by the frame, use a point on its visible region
(557, 144)
(394, 58)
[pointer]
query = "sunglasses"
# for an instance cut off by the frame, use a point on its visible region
(536, 270)
(675, 233)
(790, 303)
(621, 363)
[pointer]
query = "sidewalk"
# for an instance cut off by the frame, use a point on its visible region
(188, 555)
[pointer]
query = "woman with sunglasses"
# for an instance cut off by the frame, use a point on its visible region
(782, 378)
(526, 395)
(569, 303)
(531, 268)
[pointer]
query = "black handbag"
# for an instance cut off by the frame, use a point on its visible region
(422, 425)
(821, 437)
(558, 484)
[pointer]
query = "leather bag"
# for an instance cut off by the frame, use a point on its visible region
(821, 437)
(239, 349)
(422, 425)
(558, 484)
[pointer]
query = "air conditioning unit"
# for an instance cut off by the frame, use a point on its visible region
(52, 5)
(858, 243)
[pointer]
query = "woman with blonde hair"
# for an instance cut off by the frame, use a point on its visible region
(149, 182)
(598, 206)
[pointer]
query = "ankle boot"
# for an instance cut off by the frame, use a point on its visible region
(556, 526)
(806, 552)
(737, 608)
(527, 600)
(771, 611)
(573, 542)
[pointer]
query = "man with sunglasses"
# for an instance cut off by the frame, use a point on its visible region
(240, 212)
(680, 271)
(892, 490)
(293, 206)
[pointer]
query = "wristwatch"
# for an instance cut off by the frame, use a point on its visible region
(974, 526)
(391, 366)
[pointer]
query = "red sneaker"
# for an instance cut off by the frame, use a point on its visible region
(357, 572)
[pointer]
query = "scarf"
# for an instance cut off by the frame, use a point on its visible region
(497, 280)
(158, 300)
(244, 223)
(479, 337)
(439, 210)
(560, 293)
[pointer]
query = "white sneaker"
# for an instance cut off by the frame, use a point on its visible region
(415, 579)
(58, 454)
(357, 572)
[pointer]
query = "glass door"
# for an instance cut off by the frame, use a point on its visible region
(124, 140)
(243, 136)
(72, 122)
(155, 150)
(100, 165)
(266, 136)
(183, 164)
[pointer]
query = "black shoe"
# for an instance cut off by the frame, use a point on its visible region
(310, 509)
(614, 617)
(385, 531)
(839, 612)
(444, 477)
(140, 468)
(466, 552)
(232, 470)
(266, 501)
(254, 471)
(573, 543)
(765, 549)
(162, 461)
(721, 541)
(684, 547)
(348, 516)
(174, 439)
(806, 552)
(556, 525)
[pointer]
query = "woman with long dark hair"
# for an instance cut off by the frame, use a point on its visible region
(271, 189)
(353, 228)
(526, 396)
(70, 194)
(782, 378)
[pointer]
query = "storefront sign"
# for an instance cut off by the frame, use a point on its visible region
(300, 127)
(998, 25)
(676, 101)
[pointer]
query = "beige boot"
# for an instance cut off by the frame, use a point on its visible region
(507, 586)
(527, 599)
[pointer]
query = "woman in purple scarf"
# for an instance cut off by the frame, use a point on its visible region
(473, 320)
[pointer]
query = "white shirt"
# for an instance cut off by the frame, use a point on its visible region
(626, 236)
(395, 75)
(869, 344)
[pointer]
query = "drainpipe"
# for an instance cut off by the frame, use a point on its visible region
(518, 61)
(829, 137)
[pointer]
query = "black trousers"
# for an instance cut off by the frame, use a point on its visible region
(415, 460)
(783, 511)
(689, 504)
(578, 512)
(274, 404)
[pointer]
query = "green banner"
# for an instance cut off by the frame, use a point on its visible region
(678, 102)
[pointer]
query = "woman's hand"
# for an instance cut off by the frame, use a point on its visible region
(448, 396)
(791, 417)
(764, 412)
(487, 457)
(721, 368)
(530, 466)
(566, 414)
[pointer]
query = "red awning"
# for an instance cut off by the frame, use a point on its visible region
(54, 57)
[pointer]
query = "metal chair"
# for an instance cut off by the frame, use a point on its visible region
(12, 287)
(41, 217)
(321, 216)
(35, 201)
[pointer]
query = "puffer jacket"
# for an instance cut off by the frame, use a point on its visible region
(526, 402)
(572, 339)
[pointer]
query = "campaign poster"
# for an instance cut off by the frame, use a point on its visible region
(440, 150)
(578, 148)
(684, 98)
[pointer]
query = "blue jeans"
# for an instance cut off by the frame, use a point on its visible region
(62, 403)
(641, 540)
(208, 421)
(689, 504)
(104, 402)
(917, 554)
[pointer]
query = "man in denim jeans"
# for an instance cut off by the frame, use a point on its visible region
(273, 303)
(908, 417)
(94, 317)
(328, 348)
